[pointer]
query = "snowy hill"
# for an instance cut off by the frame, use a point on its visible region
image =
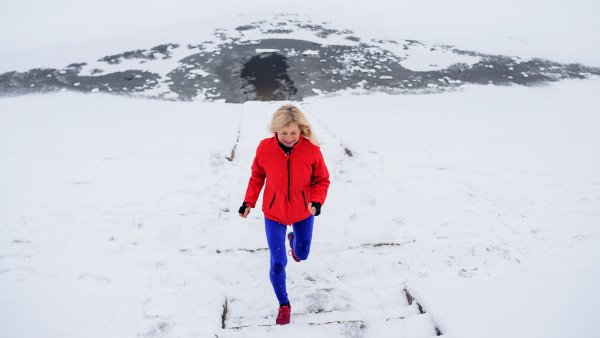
(286, 57)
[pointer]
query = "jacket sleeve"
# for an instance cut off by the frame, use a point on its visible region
(320, 178)
(257, 180)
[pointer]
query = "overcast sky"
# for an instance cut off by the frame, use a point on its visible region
(561, 27)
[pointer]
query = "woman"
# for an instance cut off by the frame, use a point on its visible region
(297, 183)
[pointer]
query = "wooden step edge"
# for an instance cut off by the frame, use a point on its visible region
(311, 324)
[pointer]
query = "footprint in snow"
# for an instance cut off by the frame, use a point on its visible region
(91, 279)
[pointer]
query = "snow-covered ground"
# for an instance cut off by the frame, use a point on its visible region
(118, 217)
(500, 189)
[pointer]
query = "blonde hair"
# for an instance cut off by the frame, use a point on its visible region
(288, 114)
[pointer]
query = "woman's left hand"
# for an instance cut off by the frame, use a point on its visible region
(312, 209)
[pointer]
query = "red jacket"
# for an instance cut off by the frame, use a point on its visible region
(287, 201)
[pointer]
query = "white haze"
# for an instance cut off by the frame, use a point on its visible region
(563, 31)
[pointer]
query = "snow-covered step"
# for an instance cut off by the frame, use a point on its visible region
(416, 326)
(321, 306)
(320, 316)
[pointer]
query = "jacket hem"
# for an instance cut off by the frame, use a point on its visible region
(278, 220)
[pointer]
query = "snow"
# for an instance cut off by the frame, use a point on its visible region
(554, 298)
(422, 58)
(310, 52)
(160, 65)
(500, 187)
(200, 72)
(119, 216)
(88, 184)
(266, 50)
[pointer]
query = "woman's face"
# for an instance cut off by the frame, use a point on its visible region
(289, 135)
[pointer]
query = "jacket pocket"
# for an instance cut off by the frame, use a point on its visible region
(304, 199)
(273, 200)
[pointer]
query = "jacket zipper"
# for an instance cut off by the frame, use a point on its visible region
(288, 165)
(304, 198)
(274, 194)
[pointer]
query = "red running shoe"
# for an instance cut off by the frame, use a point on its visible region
(284, 314)
(291, 252)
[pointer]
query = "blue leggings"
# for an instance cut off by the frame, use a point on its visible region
(276, 239)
